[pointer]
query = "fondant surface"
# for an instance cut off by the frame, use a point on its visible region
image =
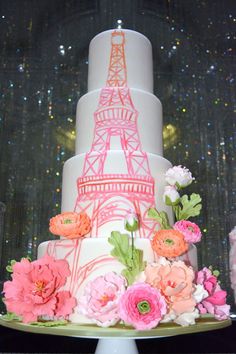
(114, 168)
(148, 117)
(138, 60)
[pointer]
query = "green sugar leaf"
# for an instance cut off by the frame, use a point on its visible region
(50, 323)
(9, 267)
(189, 207)
(11, 316)
(160, 217)
(130, 257)
(121, 246)
(216, 273)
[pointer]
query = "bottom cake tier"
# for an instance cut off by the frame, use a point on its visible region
(90, 257)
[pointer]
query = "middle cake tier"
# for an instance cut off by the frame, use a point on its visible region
(110, 184)
(119, 118)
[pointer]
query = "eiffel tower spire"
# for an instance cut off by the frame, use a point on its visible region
(117, 75)
(117, 117)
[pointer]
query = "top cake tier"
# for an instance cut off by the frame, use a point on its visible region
(138, 60)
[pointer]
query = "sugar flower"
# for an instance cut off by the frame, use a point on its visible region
(190, 230)
(200, 293)
(70, 225)
(215, 302)
(179, 176)
(131, 222)
(169, 243)
(171, 195)
(232, 259)
(34, 290)
(187, 319)
(101, 298)
(142, 306)
(232, 236)
(65, 304)
(175, 282)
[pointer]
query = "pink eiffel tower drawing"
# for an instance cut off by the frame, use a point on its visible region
(109, 197)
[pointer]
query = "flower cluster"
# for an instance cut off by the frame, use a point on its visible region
(215, 300)
(143, 295)
(36, 289)
(169, 291)
(174, 241)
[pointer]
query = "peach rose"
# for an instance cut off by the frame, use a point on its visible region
(169, 243)
(70, 225)
(175, 282)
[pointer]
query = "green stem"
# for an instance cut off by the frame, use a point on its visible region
(176, 212)
(132, 245)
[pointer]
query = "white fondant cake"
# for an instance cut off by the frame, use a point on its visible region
(118, 166)
(138, 60)
(122, 258)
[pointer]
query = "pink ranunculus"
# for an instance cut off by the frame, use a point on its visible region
(190, 230)
(34, 288)
(142, 306)
(215, 303)
(175, 282)
(101, 298)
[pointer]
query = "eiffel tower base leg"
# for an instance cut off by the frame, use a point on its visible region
(116, 346)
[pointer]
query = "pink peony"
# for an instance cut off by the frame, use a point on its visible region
(215, 303)
(142, 306)
(189, 229)
(101, 298)
(33, 290)
(175, 282)
(65, 304)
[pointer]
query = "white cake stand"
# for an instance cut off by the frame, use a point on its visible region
(118, 339)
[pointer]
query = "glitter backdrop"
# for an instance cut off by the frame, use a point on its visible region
(44, 64)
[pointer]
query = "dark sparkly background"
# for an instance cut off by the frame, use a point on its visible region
(43, 61)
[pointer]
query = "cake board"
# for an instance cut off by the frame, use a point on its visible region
(120, 338)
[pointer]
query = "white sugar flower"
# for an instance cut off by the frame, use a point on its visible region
(200, 293)
(169, 317)
(171, 195)
(179, 176)
(187, 318)
(131, 222)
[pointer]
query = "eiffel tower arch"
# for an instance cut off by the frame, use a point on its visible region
(108, 197)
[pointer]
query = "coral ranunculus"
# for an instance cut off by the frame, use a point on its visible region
(70, 225)
(175, 282)
(169, 243)
(190, 230)
(142, 306)
(34, 289)
(100, 299)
